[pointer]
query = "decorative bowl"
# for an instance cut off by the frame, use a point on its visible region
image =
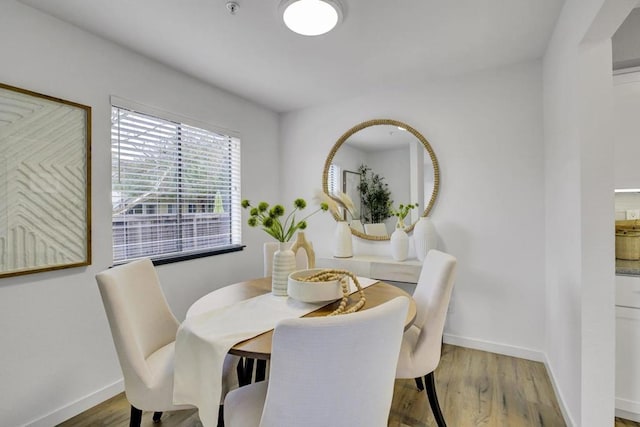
(316, 292)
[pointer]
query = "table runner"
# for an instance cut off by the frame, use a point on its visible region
(204, 340)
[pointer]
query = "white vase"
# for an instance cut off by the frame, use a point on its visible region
(342, 247)
(424, 237)
(399, 244)
(284, 263)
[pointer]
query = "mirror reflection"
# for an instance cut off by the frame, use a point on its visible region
(381, 164)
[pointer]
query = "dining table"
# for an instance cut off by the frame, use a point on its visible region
(239, 319)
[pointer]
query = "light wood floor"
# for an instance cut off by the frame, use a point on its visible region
(475, 388)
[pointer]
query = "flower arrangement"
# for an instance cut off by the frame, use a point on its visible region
(402, 212)
(269, 218)
(337, 203)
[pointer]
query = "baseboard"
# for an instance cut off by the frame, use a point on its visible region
(79, 406)
(628, 409)
(494, 347)
(568, 419)
(515, 351)
(620, 413)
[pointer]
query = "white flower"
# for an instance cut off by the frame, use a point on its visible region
(337, 202)
(345, 201)
(322, 197)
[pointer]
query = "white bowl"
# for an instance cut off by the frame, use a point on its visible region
(312, 291)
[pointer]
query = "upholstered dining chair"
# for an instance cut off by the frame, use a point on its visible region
(326, 371)
(422, 342)
(356, 224)
(377, 229)
(144, 331)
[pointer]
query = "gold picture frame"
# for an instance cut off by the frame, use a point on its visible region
(45, 182)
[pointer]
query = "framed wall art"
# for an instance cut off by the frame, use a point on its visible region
(45, 182)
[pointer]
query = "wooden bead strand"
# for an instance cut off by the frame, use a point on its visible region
(343, 276)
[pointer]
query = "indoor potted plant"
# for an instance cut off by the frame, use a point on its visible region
(273, 221)
(399, 238)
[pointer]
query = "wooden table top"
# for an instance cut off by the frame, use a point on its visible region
(260, 347)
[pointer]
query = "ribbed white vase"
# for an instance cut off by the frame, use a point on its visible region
(284, 263)
(342, 247)
(424, 237)
(399, 244)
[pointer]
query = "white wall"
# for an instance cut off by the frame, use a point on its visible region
(57, 356)
(348, 158)
(486, 130)
(579, 209)
(626, 93)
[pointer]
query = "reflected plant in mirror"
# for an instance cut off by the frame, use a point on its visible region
(375, 197)
(402, 212)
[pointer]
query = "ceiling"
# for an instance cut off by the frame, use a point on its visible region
(380, 138)
(380, 43)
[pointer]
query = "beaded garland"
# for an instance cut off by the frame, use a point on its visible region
(343, 276)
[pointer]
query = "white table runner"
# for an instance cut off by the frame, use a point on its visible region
(204, 340)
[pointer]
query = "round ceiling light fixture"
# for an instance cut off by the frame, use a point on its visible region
(311, 17)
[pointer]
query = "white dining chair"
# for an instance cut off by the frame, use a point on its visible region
(377, 229)
(422, 342)
(356, 224)
(144, 331)
(326, 371)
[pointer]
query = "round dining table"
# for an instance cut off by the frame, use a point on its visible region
(259, 347)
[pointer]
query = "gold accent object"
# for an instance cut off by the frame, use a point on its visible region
(302, 243)
(343, 276)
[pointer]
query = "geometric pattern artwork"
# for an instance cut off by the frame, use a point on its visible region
(45, 217)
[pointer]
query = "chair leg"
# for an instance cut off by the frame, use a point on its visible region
(244, 372)
(221, 416)
(136, 417)
(248, 370)
(261, 370)
(430, 384)
(240, 371)
(156, 417)
(419, 384)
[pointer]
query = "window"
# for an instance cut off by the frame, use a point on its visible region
(334, 179)
(175, 188)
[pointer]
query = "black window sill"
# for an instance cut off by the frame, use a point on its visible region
(170, 259)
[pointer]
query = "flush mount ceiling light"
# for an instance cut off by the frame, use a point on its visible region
(311, 17)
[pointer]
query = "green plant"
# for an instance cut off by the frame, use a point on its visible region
(375, 197)
(402, 212)
(269, 218)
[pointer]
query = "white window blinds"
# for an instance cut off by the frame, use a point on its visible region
(334, 179)
(175, 187)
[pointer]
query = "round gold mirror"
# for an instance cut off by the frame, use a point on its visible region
(381, 164)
